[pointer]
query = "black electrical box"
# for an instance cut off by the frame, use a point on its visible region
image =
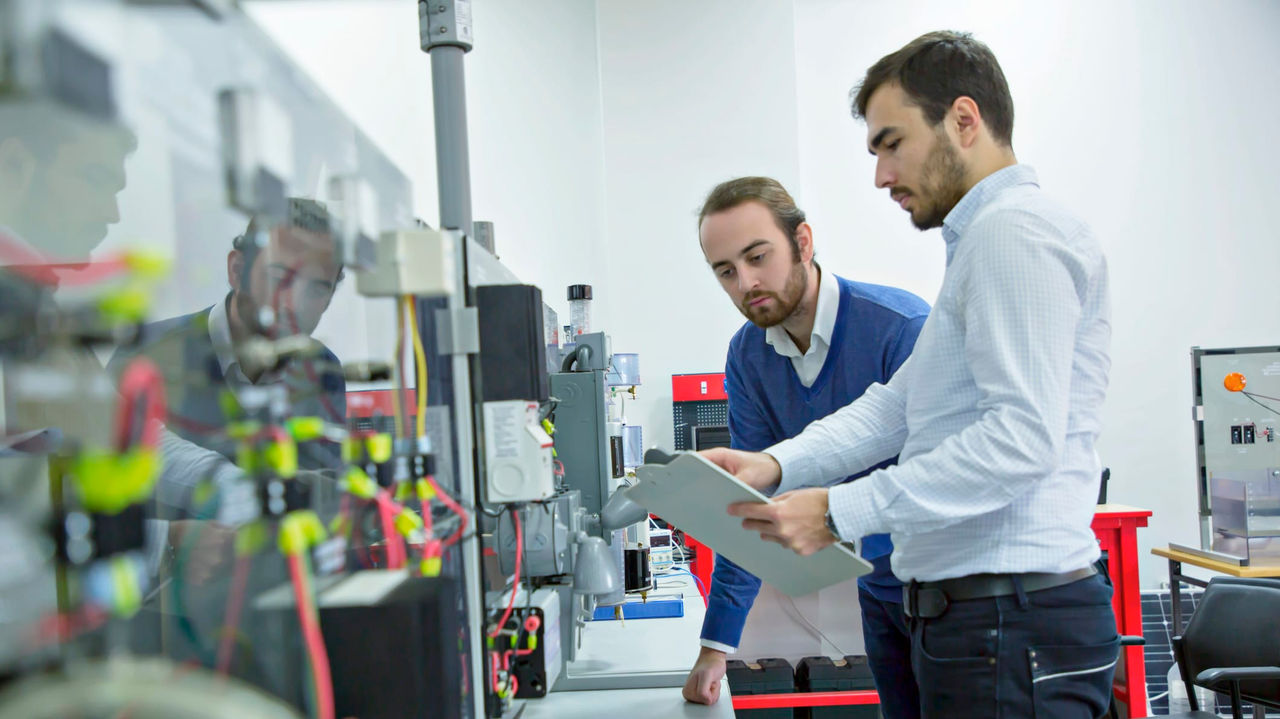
(513, 345)
(395, 653)
(821, 674)
(763, 676)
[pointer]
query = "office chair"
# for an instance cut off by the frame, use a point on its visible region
(1232, 645)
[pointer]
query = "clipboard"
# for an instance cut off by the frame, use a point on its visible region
(692, 493)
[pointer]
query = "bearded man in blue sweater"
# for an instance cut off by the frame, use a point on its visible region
(814, 342)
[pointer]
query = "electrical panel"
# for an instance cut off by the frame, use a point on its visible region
(1237, 411)
(517, 453)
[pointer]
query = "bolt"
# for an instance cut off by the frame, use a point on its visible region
(443, 30)
(440, 8)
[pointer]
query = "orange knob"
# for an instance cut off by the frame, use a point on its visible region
(1234, 382)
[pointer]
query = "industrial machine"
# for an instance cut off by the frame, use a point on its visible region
(191, 513)
(1236, 415)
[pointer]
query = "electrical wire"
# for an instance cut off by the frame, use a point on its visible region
(397, 393)
(141, 379)
(816, 631)
(309, 619)
(1250, 396)
(696, 580)
(235, 601)
(420, 362)
(454, 507)
(515, 588)
(1259, 396)
(22, 260)
(388, 508)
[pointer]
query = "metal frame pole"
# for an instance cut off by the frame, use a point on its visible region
(445, 32)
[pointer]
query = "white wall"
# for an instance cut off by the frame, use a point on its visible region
(1153, 120)
(694, 93)
(533, 96)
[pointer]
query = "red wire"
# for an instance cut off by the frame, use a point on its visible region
(515, 588)
(387, 510)
(140, 378)
(455, 508)
(60, 628)
(314, 639)
(235, 600)
(38, 268)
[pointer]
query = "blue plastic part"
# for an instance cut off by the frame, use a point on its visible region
(643, 610)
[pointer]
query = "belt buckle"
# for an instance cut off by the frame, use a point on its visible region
(931, 603)
(926, 603)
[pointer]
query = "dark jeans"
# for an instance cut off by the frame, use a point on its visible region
(1044, 655)
(884, 629)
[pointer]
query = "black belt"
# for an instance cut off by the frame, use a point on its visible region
(929, 600)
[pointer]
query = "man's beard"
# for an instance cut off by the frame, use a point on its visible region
(941, 184)
(784, 304)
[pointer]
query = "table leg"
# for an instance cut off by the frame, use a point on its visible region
(1175, 595)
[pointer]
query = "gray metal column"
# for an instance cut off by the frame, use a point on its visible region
(444, 28)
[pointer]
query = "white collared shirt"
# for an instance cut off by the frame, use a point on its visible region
(995, 415)
(809, 364)
(224, 349)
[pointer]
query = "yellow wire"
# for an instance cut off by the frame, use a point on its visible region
(398, 386)
(420, 361)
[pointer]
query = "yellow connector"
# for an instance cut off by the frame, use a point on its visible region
(407, 521)
(282, 457)
(147, 264)
(431, 566)
(425, 492)
(402, 491)
(124, 580)
(109, 482)
(304, 429)
(127, 305)
(379, 447)
(351, 450)
(361, 484)
(299, 531)
(548, 427)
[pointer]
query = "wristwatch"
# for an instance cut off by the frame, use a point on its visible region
(831, 524)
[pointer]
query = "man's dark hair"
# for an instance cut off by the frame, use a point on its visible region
(765, 190)
(935, 69)
(304, 214)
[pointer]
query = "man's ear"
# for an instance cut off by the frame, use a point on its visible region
(966, 120)
(235, 269)
(804, 240)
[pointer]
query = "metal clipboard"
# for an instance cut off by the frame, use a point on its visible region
(691, 493)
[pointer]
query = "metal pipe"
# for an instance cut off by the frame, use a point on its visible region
(453, 163)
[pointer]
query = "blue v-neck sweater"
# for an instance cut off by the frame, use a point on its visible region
(876, 328)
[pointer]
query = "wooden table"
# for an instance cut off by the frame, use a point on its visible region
(1177, 558)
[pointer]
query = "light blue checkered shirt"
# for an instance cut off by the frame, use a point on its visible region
(995, 414)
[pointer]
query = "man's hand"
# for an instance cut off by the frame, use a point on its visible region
(703, 684)
(796, 520)
(757, 469)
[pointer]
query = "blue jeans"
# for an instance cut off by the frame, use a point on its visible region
(884, 629)
(1049, 654)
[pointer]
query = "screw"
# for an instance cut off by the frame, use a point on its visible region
(443, 30)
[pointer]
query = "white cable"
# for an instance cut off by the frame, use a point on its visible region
(816, 631)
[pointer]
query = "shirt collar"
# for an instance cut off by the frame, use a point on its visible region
(824, 319)
(962, 215)
(220, 334)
